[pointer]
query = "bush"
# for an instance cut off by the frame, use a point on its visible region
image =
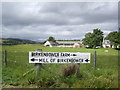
(70, 70)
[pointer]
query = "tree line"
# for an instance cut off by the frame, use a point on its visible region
(95, 38)
(15, 41)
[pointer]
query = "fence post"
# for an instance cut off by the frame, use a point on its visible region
(94, 59)
(78, 70)
(38, 65)
(5, 58)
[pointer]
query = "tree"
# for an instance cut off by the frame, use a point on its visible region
(93, 39)
(97, 37)
(114, 38)
(88, 39)
(51, 39)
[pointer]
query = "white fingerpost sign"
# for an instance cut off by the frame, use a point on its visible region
(58, 57)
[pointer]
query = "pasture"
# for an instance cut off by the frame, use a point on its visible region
(105, 75)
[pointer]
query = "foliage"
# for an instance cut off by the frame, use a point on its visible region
(114, 38)
(88, 39)
(93, 39)
(51, 39)
(15, 41)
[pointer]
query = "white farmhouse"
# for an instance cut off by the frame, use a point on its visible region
(50, 44)
(74, 44)
(106, 44)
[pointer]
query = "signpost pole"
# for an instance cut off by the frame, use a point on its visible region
(94, 59)
(38, 65)
(5, 58)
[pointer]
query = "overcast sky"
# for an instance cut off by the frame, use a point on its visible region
(62, 20)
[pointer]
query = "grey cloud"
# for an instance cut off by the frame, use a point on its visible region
(57, 13)
(36, 21)
(59, 32)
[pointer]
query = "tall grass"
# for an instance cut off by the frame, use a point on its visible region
(105, 75)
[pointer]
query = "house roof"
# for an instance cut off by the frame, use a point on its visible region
(68, 42)
(106, 42)
(51, 42)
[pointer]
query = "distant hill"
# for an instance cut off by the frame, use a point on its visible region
(16, 41)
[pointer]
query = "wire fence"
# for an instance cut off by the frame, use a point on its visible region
(15, 57)
(19, 61)
(21, 57)
(16, 70)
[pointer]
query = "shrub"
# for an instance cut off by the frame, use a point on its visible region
(69, 70)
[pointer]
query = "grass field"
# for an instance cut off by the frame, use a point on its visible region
(105, 76)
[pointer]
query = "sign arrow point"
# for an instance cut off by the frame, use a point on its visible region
(33, 59)
(87, 60)
(74, 55)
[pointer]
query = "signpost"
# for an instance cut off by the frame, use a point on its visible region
(58, 57)
(95, 59)
(5, 58)
(38, 65)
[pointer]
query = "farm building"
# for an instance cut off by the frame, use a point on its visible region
(50, 44)
(74, 44)
(106, 44)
